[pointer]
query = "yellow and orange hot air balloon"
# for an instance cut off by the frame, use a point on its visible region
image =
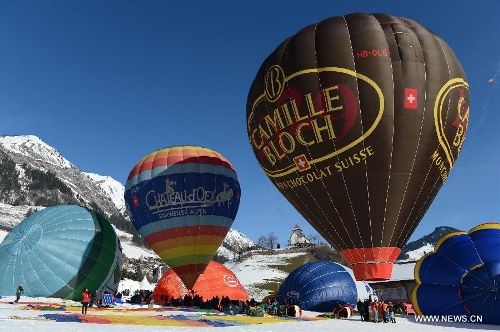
(358, 120)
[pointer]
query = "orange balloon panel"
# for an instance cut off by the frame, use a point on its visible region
(217, 280)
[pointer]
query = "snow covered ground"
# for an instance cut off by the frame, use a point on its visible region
(250, 273)
(14, 318)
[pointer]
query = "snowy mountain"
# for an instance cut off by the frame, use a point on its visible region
(29, 145)
(112, 188)
(416, 254)
(416, 249)
(36, 175)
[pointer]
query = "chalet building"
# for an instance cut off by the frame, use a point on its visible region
(298, 238)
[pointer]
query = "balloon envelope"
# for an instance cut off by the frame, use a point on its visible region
(358, 120)
(461, 276)
(216, 280)
(58, 251)
(183, 201)
(319, 286)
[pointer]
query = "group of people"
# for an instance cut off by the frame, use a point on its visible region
(140, 296)
(382, 310)
(216, 302)
(272, 306)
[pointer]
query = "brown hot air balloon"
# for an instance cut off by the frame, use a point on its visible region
(358, 121)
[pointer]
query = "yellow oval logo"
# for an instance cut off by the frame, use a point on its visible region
(286, 124)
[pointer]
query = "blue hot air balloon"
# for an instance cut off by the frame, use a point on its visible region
(461, 277)
(319, 286)
(58, 251)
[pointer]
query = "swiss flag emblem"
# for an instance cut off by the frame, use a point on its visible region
(301, 162)
(135, 199)
(411, 96)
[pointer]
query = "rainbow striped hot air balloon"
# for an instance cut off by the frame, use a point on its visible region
(183, 201)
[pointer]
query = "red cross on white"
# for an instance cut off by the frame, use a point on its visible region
(411, 96)
(301, 162)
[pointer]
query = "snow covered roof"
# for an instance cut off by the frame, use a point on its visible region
(145, 285)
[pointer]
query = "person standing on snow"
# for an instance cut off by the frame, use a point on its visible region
(374, 307)
(85, 300)
(366, 308)
(361, 309)
(99, 298)
(390, 309)
(93, 296)
(19, 291)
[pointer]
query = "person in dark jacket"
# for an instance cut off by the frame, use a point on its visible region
(93, 296)
(390, 310)
(361, 309)
(99, 298)
(19, 291)
(366, 307)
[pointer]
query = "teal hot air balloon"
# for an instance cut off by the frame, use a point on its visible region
(58, 251)
(183, 201)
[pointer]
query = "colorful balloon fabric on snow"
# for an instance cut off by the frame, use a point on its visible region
(216, 280)
(183, 201)
(319, 286)
(461, 276)
(58, 251)
(358, 120)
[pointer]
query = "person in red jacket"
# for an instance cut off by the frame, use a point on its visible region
(383, 307)
(85, 300)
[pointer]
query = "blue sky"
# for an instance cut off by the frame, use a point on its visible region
(107, 82)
